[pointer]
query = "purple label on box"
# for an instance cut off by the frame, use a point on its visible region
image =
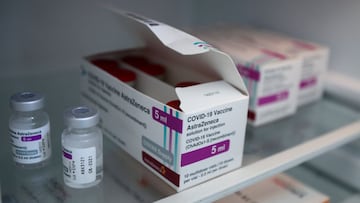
(308, 83)
(274, 54)
(304, 45)
(204, 153)
(31, 138)
(167, 119)
(67, 155)
(248, 72)
(273, 98)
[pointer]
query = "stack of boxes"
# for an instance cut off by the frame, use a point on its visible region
(280, 72)
(314, 59)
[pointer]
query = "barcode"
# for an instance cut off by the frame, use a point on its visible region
(43, 147)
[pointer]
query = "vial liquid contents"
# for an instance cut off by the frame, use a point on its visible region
(82, 145)
(29, 128)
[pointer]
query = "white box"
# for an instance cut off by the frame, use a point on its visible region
(186, 147)
(278, 189)
(314, 58)
(271, 78)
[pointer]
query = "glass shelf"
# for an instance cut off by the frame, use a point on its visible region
(342, 165)
(270, 149)
(335, 190)
(314, 130)
(335, 173)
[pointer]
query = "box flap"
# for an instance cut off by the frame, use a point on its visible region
(212, 94)
(161, 37)
(173, 38)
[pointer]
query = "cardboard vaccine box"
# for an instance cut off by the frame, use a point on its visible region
(278, 189)
(183, 147)
(270, 77)
(314, 58)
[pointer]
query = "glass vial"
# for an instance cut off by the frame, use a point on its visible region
(82, 144)
(29, 128)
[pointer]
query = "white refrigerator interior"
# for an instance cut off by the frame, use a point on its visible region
(42, 44)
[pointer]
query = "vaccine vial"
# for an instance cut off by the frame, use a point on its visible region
(175, 104)
(146, 66)
(112, 67)
(135, 60)
(82, 145)
(127, 76)
(29, 128)
(155, 70)
(186, 84)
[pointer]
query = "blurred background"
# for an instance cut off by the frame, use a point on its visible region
(43, 36)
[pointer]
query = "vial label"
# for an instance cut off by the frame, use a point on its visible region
(79, 165)
(31, 146)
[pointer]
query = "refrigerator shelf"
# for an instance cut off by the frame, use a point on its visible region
(274, 148)
(314, 130)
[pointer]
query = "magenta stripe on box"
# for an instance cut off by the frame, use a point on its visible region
(31, 138)
(274, 54)
(273, 98)
(308, 82)
(170, 134)
(248, 72)
(167, 119)
(204, 153)
(304, 45)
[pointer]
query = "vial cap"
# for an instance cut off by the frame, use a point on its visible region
(125, 75)
(81, 117)
(111, 67)
(175, 104)
(105, 64)
(135, 60)
(153, 69)
(186, 84)
(27, 101)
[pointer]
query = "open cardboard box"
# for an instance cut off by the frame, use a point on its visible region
(184, 147)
